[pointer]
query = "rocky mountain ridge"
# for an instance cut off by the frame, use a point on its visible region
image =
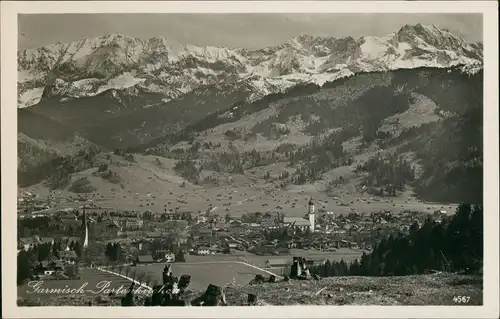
(120, 63)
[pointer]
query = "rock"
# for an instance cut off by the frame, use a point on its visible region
(184, 282)
(294, 270)
(157, 296)
(258, 280)
(252, 299)
(167, 275)
(128, 300)
(213, 296)
(307, 273)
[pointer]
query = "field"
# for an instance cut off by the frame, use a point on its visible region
(221, 270)
(346, 254)
(260, 203)
(235, 269)
(147, 185)
(260, 261)
(221, 273)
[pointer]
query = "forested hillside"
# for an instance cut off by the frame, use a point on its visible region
(431, 247)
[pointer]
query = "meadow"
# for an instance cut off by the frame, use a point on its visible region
(220, 273)
(145, 186)
(258, 260)
(234, 269)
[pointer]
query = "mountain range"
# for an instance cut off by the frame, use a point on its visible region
(120, 63)
(320, 104)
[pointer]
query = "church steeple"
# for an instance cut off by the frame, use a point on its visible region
(312, 217)
(84, 218)
(311, 206)
(85, 227)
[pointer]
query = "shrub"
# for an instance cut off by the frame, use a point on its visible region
(81, 185)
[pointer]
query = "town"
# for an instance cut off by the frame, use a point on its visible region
(151, 236)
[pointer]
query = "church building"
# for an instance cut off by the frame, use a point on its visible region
(303, 223)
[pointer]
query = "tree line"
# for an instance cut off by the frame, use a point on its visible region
(387, 174)
(57, 171)
(453, 245)
(320, 156)
(28, 258)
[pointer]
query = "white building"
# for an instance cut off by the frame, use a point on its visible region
(312, 216)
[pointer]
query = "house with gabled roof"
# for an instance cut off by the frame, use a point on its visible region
(297, 222)
(26, 243)
(278, 262)
(144, 259)
(68, 256)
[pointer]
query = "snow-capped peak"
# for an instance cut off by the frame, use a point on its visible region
(89, 66)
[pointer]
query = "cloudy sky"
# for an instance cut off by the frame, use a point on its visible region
(231, 30)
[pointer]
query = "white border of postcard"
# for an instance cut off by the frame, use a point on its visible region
(489, 9)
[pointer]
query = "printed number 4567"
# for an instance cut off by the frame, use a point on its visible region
(461, 299)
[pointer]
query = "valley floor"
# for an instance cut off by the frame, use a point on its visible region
(146, 186)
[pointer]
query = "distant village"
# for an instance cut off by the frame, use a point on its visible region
(142, 237)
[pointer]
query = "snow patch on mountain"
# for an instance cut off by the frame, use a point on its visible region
(374, 48)
(123, 81)
(471, 69)
(318, 79)
(30, 97)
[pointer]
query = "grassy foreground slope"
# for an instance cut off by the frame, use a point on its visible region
(419, 290)
(435, 289)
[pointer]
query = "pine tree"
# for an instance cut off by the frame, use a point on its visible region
(431, 259)
(344, 268)
(78, 249)
(336, 271)
(413, 231)
(24, 266)
(117, 250)
(109, 251)
(55, 251)
(328, 269)
(355, 269)
(180, 257)
(365, 264)
(476, 237)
